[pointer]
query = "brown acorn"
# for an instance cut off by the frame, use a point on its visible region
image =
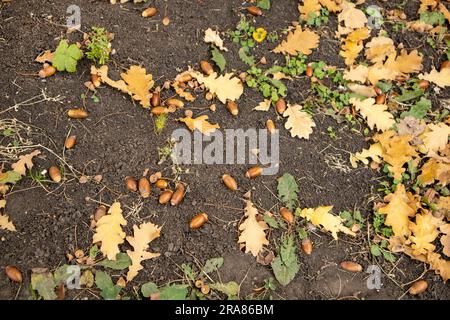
(309, 71)
(270, 125)
(178, 195)
(77, 113)
(14, 274)
(131, 183)
(55, 174)
(159, 110)
(149, 12)
(280, 106)
(47, 71)
(351, 266)
(423, 84)
(445, 64)
(161, 184)
(206, 67)
(99, 212)
(232, 108)
(229, 182)
(70, 142)
(307, 246)
(165, 196)
(380, 99)
(287, 215)
(144, 187)
(255, 11)
(175, 102)
(198, 221)
(155, 100)
(253, 172)
(418, 287)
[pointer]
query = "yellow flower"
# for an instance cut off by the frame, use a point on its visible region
(259, 34)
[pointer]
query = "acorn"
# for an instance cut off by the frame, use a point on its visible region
(287, 215)
(423, 84)
(232, 108)
(280, 106)
(55, 174)
(270, 125)
(445, 64)
(307, 246)
(198, 221)
(229, 182)
(159, 110)
(99, 212)
(205, 289)
(253, 172)
(206, 67)
(154, 177)
(131, 183)
(380, 99)
(165, 196)
(70, 142)
(14, 274)
(144, 187)
(155, 100)
(161, 184)
(47, 71)
(77, 113)
(178, 195)
(309, 71)
(198, 283)
(351, 266)
(149, 12)
(418, 287)
(175, 102)
(254, 11)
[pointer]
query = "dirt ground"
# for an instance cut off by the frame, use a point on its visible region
(118, 140)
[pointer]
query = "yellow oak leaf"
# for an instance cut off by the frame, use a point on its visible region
(358, 35)
(429, 172)
(200, 123)
(362, 90)
(25, 162)
(436, 138)
(109, 231)
(299, 123)
(142, 236)
(298, 41)
(404, 63)
(309, 8)
(321, 216)
(252, 235)
(425, 4)
(444, 206)
(331, 5)
(358, 73)
(379, 48)
(424, 232)
(350, 51)
(374, 152)
(213, 37)
(445, 239)
(444, 11)
(439, 265)
(263, 106)
(46, 56)
(397, 211)
(440, 78)
(353, 18)
(225, 87)
(397, 151)
(379, 72)
(5, 224)
(376, 115)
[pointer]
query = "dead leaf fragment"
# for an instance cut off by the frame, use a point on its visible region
(298, 41)
(299, 123)
(25, 162)
(252, 235)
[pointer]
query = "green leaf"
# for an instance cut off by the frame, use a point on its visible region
(264, 4)
(375, 250)
(123, 261)
(61, 275)
(384, 86)
(388, 256)
(44, 284)
(213, 264)
(434, 18)
(246, 58)
(93, 252)
(187, 269)
(271, 221)
(288, 190)
(302, 233)
(66, 57)
(103, 282)
(231, 289)
(409, 95)
(9, 177)
(149, 288)
(218, 58)
(419, 110)
(8, 132)
(174, 292)
(285, 266)
(87, 279)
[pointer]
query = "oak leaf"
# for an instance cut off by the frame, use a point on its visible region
(252, 235)
(309, 7)
(225, 87)
(5, 224)
(376, 115)
(142, 236)
(298, 41)
(434, 170)
(424, 232)
(358, 73)
(264, 105)
(439, 265)
(379, 72)
(353, 18)
(46, 56)
(362, 90)
(440, 78)
(299, 123)
(436, 138)
(404, 63)
(25, 162)
(331, 5)
(427, 4)
(200, 123)
(375, 152)
(379, 48)
(213, 37)
(321, 216)
(445, 239)
(109, 231)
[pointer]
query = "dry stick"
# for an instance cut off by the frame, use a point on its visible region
(31, 101)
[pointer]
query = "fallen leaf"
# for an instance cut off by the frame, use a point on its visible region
(200, 123)
(46, 56)
(299, 123)
(309, 8)
(213, 37)
(252, 235)
(362, 90)
(374, 152)
(436, 138)
(379, 48)
(445, 239)
(331, 5)
(376, 115)
(5, 224)
(298, 41)
(25, 162)
(353, 18)
(358, 73)
(264, 105)
(440, 78)
(225, 87)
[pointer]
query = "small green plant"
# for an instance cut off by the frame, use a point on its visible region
(317, 20)
(331, 133)
(98, 45)
(66, 56)
(379, 226)
(381, 249)
(352, 218)
(160, 123)
(269, 87)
